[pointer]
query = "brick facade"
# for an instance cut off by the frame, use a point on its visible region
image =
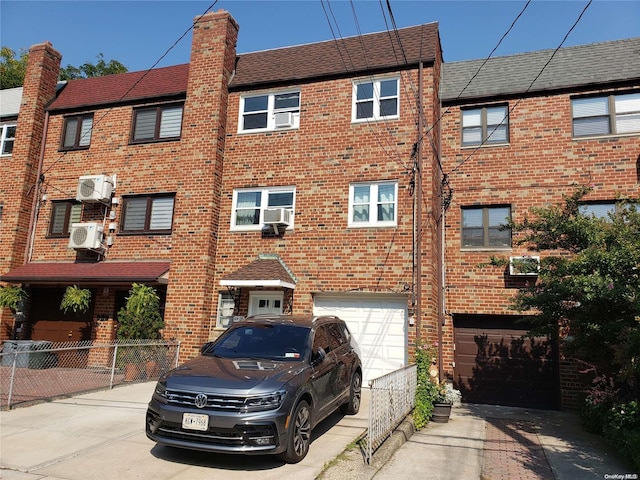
(420, 150)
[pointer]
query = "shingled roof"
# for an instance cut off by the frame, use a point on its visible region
(347, 56)
(369, 53)
(571, 67)
(268, 270)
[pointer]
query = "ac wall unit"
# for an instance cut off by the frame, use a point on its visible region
(284, 119)
(277, 216)
(86, 236)
(94, 189)
(524, 266)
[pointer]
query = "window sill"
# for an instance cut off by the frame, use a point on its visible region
(267, 130)
(485, 249)
(486, 145)
(606, 136)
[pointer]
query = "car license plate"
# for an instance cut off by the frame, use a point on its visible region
(194, 421)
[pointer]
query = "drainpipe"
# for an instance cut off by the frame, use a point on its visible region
(442, 313)
(418, 220)
(28, 252)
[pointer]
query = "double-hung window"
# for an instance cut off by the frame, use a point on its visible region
(76, 133)
(487, 125)
(157, 123)
(7, 137)
(376, 99)
(373, 204)
(64, 213)
(269, 112)
(147, 214)
(249, 205)
(598, 209)
(610, 115)
(485, 227)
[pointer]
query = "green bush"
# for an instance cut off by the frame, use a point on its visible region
(622, 429)
(426, 391)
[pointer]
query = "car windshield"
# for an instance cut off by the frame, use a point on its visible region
(274, 342)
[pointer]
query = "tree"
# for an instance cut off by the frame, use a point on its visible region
(86, 70)
(589, 286)
(12, 69)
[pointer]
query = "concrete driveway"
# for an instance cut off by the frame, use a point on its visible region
(101, 436)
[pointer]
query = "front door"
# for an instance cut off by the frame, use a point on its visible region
(266, 303)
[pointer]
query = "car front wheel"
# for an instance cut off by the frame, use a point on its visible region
(355, 393)
(299, 434)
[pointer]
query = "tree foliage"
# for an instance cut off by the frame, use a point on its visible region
(140, 318)
(12, 68)
(588, 289)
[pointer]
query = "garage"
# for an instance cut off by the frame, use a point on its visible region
(378, 323)
(495, 365)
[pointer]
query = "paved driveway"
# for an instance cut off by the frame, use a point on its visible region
(101, 436)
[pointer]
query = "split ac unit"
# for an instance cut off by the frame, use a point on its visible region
(284, 119)
(277, 216)
(94, 189)
(524, 266)
(86, 236)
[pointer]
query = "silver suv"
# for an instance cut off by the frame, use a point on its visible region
(260, 388)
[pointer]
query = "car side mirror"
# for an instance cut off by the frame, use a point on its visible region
(318, 356)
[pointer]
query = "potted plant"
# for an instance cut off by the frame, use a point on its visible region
(75, 299)
(446, 397)
(139, 319)
(14, 297)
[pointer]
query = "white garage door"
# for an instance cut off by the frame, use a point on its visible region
(378, 323)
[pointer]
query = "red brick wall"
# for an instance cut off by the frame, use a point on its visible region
(541, 163)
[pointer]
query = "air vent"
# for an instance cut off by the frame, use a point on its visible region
(94, 189)
(86, 236)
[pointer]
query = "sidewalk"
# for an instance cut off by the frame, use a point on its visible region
(489, 443)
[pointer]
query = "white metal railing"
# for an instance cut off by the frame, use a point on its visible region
(392, 398)
(36, 370)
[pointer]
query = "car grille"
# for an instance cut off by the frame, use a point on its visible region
(220, 403)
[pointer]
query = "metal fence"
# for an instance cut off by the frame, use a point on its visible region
(392, 398)
(33, 371)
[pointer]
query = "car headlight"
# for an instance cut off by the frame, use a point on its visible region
(259, 403)
(161, 391)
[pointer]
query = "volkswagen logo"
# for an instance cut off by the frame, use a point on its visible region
(201, 400)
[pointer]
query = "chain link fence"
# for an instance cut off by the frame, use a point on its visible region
(32, 371)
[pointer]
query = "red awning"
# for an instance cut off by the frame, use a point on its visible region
(101, 273)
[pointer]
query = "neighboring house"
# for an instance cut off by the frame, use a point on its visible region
(511, 143)
(9, 108)
(253, 183)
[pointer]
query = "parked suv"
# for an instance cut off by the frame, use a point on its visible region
(260, 388)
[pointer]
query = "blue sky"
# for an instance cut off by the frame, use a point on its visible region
(138, 33)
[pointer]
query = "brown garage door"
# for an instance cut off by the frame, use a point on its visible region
(494, 364)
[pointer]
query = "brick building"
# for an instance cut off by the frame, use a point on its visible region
(264, 183)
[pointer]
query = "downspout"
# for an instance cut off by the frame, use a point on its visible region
(443, 205)
(28, 252)
(418, 220)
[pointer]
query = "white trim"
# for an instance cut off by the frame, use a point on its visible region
(253, 296)
(257, 283)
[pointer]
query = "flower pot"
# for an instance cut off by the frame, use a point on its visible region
(441, 412)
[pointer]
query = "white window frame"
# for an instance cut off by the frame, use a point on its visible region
(373, 205)
(376, 99)
(264, 204)
(271, 111)
(4, 139)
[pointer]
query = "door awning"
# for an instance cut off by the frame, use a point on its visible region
(268, 270)
(100, 273)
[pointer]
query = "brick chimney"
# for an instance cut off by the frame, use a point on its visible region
(202, 145)
(19, 172)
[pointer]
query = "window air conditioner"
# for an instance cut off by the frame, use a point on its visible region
(284, 119)
(86, 236)
(524, 266)
(277, 216)
(94, 189)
